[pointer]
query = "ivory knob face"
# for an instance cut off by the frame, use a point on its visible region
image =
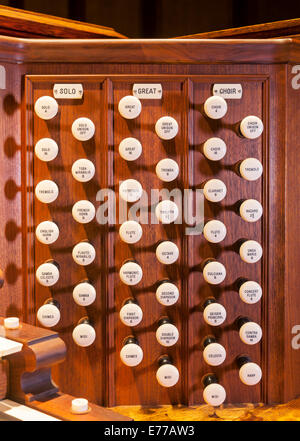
(251, 251)
(251, 210)
(129, 107)
(250, 333)
(215, 107)
(214, 272)
(166, 128)
(214, 190)
(214, 354)
(131, 314)
(167, 334)
(46, 191)
(131, 273)
(214, 394)
(83, 129)
(47, 274)
(250, 374)
(167, 375)
(84, 335)
(251, 127)
(131, 354)
(48, 315)
(46, 107)
(46, 149)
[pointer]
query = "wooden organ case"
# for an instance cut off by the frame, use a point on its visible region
(174, 79)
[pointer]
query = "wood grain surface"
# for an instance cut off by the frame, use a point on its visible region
(27, 24)
(187, 76)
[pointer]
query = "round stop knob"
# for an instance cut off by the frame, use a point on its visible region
(250, 373)
(131, 354)
(214, 272)
(84, 334)
(249, 331)
(49, 314)
(214, 353)
(167, 374)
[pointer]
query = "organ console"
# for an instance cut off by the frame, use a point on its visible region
(109, 149)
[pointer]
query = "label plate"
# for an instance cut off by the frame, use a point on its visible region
(147, 91)
(68, 91)
(228, 91)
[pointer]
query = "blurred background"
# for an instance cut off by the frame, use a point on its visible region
(164, 18)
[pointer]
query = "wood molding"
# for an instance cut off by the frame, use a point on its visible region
(30, 369)
(17, 22)
(277, 29)
(20, 50)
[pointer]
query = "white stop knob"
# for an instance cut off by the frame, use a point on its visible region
(214, 231)
(46, 107)
(84, 294)
(46, 149)
(47, 274)
(130, 231)
(214, 394)
(167, 294)
(79, 405)
(83, 129)
(251, 169)
(131, 354)
(131, 314)
(83, 211)
(84, 334)
(215, 107)
(167, 375)
(214, 314)
(131, 273)
(166, 212)
(214, 149)
(46, 191)
(167, 334)
(251, 251)
(130, 149)
(167, 252)
(250, 292)
(47, 232)
(214, 190)
(130, 190)
(166, 127)
(250, 374)
(251, 127)
(250, 333)
(214, 272)
(129, 107)
(84, 253)
(214, 354)
(167, 170)
(251, 210)
(11, 323)
(48, 315)
(83, 170)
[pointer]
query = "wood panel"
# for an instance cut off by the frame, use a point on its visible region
(93, 106)
(186, 85)
(26, 24)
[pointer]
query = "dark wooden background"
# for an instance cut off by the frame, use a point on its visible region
(165, 18)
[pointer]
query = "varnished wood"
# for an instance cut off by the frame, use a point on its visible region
(3, 378)
(277, 29)
(30, 369)
(187, 70)
(246, 412)
(27, 24)
(190, 51)
(59, 406)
